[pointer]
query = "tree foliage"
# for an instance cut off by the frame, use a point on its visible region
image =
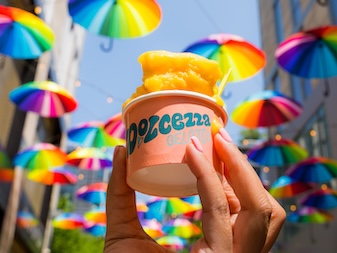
(74, 241)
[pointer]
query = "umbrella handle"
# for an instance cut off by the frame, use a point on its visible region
(108, 48)
(227, 96)
(327, 88)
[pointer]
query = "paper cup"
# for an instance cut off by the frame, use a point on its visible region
(159, 126)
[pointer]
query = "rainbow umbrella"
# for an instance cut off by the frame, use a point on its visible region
(68, 221)
(40, 156)
(159, 206)
(116, 19)
(231, 52)
(92, 134)
(89, 158)
(286, 187)
(114, 126)
(94, 193)
(6, 167)
(172, 242)
(265, 109)
(52, 176)
(314, 170)
(46, 98)
(97, 215)
(152, 227)
(26, 220)
(311, 53)
(325, 199)
(309, 215)
(22, 34)
(182, 228)
(94, 228)
(277, 153)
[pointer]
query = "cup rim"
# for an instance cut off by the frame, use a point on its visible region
(181, 93)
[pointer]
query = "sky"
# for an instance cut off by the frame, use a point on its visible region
(116, 73)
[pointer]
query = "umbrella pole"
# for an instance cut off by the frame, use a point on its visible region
(9, 220)
(327, 88)
(49, 228)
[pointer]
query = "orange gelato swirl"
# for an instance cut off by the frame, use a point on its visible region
(163, 70)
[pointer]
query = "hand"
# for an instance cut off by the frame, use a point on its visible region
(238, 214)
(124, 232)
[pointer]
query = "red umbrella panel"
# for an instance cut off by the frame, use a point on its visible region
(52, 176)
(68, 221)
(90, 159)
(48, 99)
(114, 126)
(287, 187)
(266, 109)
(6, 167)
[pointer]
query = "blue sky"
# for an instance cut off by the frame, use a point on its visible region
(117, 73)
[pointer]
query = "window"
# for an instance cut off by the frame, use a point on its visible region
(314, 136)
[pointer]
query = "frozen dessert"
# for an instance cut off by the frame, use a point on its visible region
(178, 99)
(163, 70)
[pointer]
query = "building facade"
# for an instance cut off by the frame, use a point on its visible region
(19, 129)
(315, 129)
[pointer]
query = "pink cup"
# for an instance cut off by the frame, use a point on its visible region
(159, 126)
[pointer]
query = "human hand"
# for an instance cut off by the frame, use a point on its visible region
(239, 215)
(124, 232)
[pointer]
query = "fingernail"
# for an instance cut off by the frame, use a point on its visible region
(225, 135)
(197, 143)
(116, 150)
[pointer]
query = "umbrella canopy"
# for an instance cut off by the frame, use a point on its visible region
(309, 215)
(26, 219)
(231, 52)
(94, 228)
(116, 19)
(182, 228)
(322, 199)
(97, 215)
(40, 156)
(46, 98)
(92, 134)
(89, 159)
(314, 170)
(94, 193)
(52, 176)
(311, 53)
(68, 221)
(265, 109)
(141, 209)
(22, 34)
(152, 227)
(286, 187)
(172, 242)
(159, 206)
(114, 126)
(277, 153)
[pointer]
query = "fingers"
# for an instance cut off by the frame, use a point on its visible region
(122, 219)
(277, 219)
(251, 226)
(216, 216)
